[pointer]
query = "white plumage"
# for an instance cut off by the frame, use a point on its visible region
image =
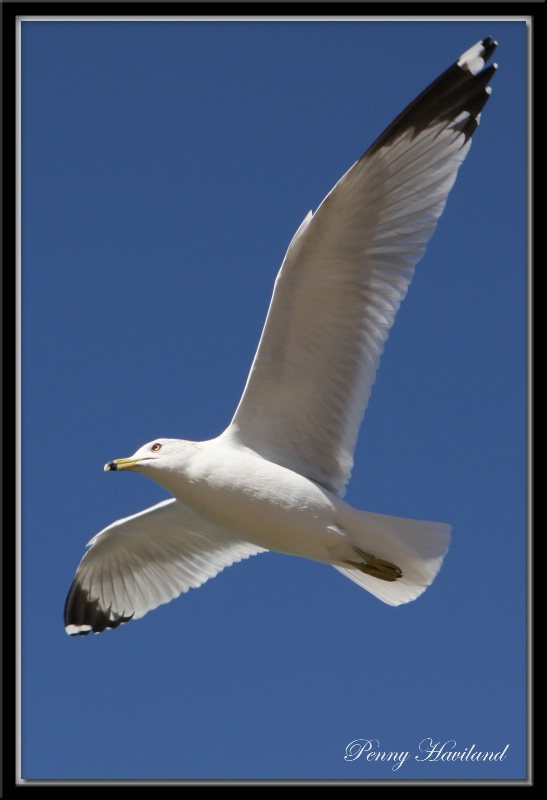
(274, 480)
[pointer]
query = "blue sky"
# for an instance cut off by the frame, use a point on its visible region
(165, 168)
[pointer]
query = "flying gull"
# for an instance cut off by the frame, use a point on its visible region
(275, 479)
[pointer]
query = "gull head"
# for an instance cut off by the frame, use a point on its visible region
(159, 454)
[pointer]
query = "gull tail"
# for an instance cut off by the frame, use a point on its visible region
(384, 543)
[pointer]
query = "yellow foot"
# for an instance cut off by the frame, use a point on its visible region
(376, 567)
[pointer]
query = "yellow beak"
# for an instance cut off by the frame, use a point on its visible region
(121, 463)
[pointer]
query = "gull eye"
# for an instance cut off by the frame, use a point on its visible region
(156, 447)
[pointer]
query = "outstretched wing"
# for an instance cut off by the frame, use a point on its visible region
(344, 276)
(142, 561)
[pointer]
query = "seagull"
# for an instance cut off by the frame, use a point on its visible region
(275, 479)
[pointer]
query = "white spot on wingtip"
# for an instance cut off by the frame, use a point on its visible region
(73, 629)
(472, 59)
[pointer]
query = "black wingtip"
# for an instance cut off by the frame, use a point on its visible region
(83, 616)
(456, 97)
(489, 45)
